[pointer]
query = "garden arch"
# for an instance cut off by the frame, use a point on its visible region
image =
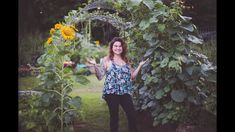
(173, 76)
(102, 12)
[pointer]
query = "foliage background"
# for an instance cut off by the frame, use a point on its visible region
(37, 39)
(37, 16)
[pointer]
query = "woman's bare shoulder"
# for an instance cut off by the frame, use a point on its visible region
(106, 59)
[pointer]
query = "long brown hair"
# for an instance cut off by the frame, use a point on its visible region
(124, 49)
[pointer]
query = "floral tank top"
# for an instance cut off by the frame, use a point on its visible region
(118, 80)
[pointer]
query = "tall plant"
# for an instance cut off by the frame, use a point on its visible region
(58, 79)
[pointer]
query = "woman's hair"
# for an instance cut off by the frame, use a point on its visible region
(124, 49)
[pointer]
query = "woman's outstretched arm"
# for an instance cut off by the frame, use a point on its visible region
(135, 72)
(99, 68)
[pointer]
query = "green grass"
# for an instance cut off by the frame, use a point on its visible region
(27, 83)
(93, 86)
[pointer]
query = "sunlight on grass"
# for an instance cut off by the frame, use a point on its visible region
(94, 82)
(93, 86)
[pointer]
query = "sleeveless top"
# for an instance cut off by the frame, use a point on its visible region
(118, 80)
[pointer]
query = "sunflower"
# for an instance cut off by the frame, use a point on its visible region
(67, 32)
(52, 30)
(49, 40)
(58, 26)
(97, 43)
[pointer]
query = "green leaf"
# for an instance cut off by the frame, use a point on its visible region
(178, 95)
(75, 55)
(189, 70)
(51, 116)
(63, 52)
(153, 42)
(142, 90)
(168, 105)
(144, 24)
(144, 76)
(135, 2)
(148, 80)
(143, 107)
(67, 118)
(188, 27)
(81, 79)
(46, 97)
(164, 121)
(75, 102)
(194, 39)
(68, 70)
(151, 104)
(159, 94)
(153, 72)
(162, 115)
(149, 4)
(164, 62)
(148, 36)
(185, 18)
(192, 100)
(153, 19)
(155, 79)
(167, 88)
(81, 71)
(149, 52)
(172, 80)
(161, 27)
(211, 77)
(30, 125)
(181, 37)
(175, 65)
(182, 77)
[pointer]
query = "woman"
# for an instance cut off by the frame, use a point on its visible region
(118, 82)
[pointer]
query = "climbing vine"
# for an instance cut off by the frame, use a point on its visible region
(178, 81)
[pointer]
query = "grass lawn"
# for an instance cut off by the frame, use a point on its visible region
(27, 83)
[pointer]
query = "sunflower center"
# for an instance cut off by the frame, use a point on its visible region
(68, 32)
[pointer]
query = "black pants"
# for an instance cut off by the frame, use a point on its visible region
(125, 101)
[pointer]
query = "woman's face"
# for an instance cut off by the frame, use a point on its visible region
(117, 48)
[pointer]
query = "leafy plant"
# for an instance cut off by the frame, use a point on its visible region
(177, 77)
(57, 80)
(29, 114)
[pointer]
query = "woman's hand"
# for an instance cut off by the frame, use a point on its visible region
(135, 72)
(91, 61)
(68, 63)
(143, 62)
